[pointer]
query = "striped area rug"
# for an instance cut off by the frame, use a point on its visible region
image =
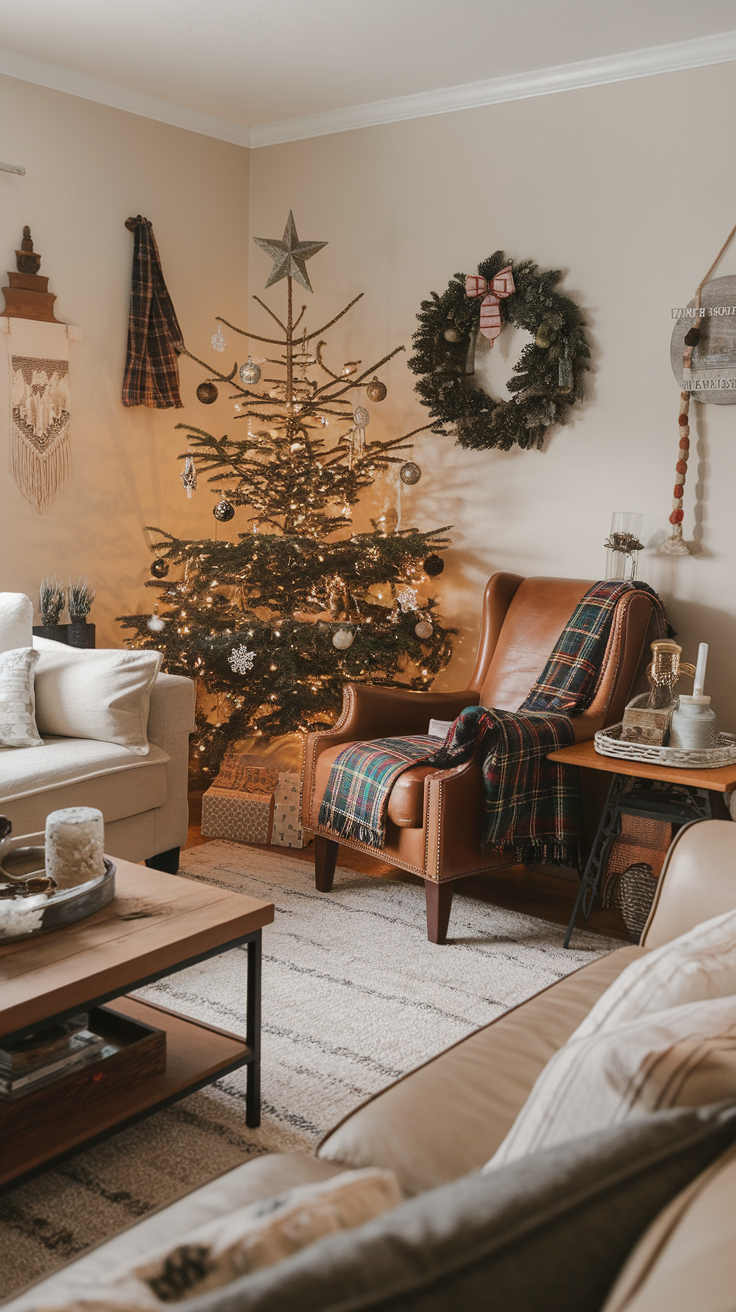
(353, 996)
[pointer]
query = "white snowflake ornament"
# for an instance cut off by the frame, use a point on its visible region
(241, 660)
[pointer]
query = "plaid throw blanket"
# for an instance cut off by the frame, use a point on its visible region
(151, 366)
(532, 805)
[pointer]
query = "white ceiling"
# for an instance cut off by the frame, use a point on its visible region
(258, 61)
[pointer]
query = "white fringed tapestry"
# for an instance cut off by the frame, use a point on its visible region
(40, 453)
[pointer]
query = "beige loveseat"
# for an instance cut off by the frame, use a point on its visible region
(447, 1118)
(143, 798)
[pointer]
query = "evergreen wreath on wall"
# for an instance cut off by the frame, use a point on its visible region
(545, 383)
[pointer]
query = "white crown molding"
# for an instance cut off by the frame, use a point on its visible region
(701, 51)
(58, 78)
(719, 48)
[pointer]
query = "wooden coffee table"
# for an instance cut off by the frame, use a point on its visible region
(156, 924)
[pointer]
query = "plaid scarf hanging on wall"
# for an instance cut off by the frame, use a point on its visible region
(151, 367)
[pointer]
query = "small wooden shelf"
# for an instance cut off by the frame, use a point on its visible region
(196, 1054)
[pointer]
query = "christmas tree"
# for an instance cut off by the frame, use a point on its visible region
(273, 625)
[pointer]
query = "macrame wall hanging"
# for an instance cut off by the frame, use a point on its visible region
(38, 355)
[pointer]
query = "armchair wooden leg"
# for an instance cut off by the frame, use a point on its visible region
(325, 860)
(439, 903)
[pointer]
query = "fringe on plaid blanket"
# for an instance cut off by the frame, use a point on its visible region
(532, 805)
(152, 365)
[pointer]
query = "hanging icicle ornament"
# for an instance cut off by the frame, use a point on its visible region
(250, 372)
(361, 418)
(565, 376)
(155, 623)
(218, 339)
(241, 660)
(188, 475)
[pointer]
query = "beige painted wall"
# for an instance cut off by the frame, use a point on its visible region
(89, 167)
(630, 190)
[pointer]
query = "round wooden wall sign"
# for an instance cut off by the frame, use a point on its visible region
(712, 375)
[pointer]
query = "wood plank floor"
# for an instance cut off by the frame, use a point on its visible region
(549, 897)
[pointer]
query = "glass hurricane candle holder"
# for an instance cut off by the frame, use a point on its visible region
(623, 546)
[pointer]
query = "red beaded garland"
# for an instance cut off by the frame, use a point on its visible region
(684, 443)
(677, 516)
(681, 467)
(679, 490)
(683, 420)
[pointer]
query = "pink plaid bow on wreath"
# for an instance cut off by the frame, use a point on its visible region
(493, 293)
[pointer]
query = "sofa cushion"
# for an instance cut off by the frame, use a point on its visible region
(103, 695)
(687, 1257)
(16, 620)
(251, 1182)
(17, 701)
(698, 965)
(682, 1057)
(79, 772)
(550, 1232)
(415, 1127)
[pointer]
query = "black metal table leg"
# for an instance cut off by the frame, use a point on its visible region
(253, 1034)
(605, 834)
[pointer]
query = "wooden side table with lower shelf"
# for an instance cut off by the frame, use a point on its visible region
(155, 925)
(699, 795)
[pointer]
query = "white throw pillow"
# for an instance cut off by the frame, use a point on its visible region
(103, 694)
(17, 702)
(16, 620)
(698, 965)
(682, 1057)
(243, 1240)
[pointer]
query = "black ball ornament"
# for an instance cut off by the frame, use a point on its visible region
(433, 565)
(159, 569)
(207, 392)
(223, 511)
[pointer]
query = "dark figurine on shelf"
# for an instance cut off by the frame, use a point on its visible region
(26, 259)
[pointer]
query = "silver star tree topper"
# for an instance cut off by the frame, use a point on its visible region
(289, 255)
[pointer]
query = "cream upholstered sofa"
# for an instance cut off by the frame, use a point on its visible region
(447, 1118)
(142, 794)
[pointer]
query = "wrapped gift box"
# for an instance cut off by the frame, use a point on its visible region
(287, 817)
(243, 817)
(239, 774)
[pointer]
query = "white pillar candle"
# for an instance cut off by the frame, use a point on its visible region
(74, 845)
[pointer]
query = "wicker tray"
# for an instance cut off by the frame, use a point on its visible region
(608, 743)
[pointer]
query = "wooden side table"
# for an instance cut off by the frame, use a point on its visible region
(699, 795)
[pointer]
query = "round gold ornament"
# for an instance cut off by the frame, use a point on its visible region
(376, 390)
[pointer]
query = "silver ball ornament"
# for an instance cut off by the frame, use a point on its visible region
(423, 629)
(410, 473)
(250, 373)
(343, 639)
(223, 511)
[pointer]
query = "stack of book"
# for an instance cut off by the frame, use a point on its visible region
(46, 1055)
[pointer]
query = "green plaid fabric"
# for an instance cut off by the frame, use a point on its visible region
(152, 364)
(532, 805)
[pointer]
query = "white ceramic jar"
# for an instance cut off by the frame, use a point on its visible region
(693, 724)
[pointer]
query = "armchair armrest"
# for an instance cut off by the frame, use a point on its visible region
(370, 712)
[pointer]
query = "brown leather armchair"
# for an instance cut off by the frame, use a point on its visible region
(434, 815)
